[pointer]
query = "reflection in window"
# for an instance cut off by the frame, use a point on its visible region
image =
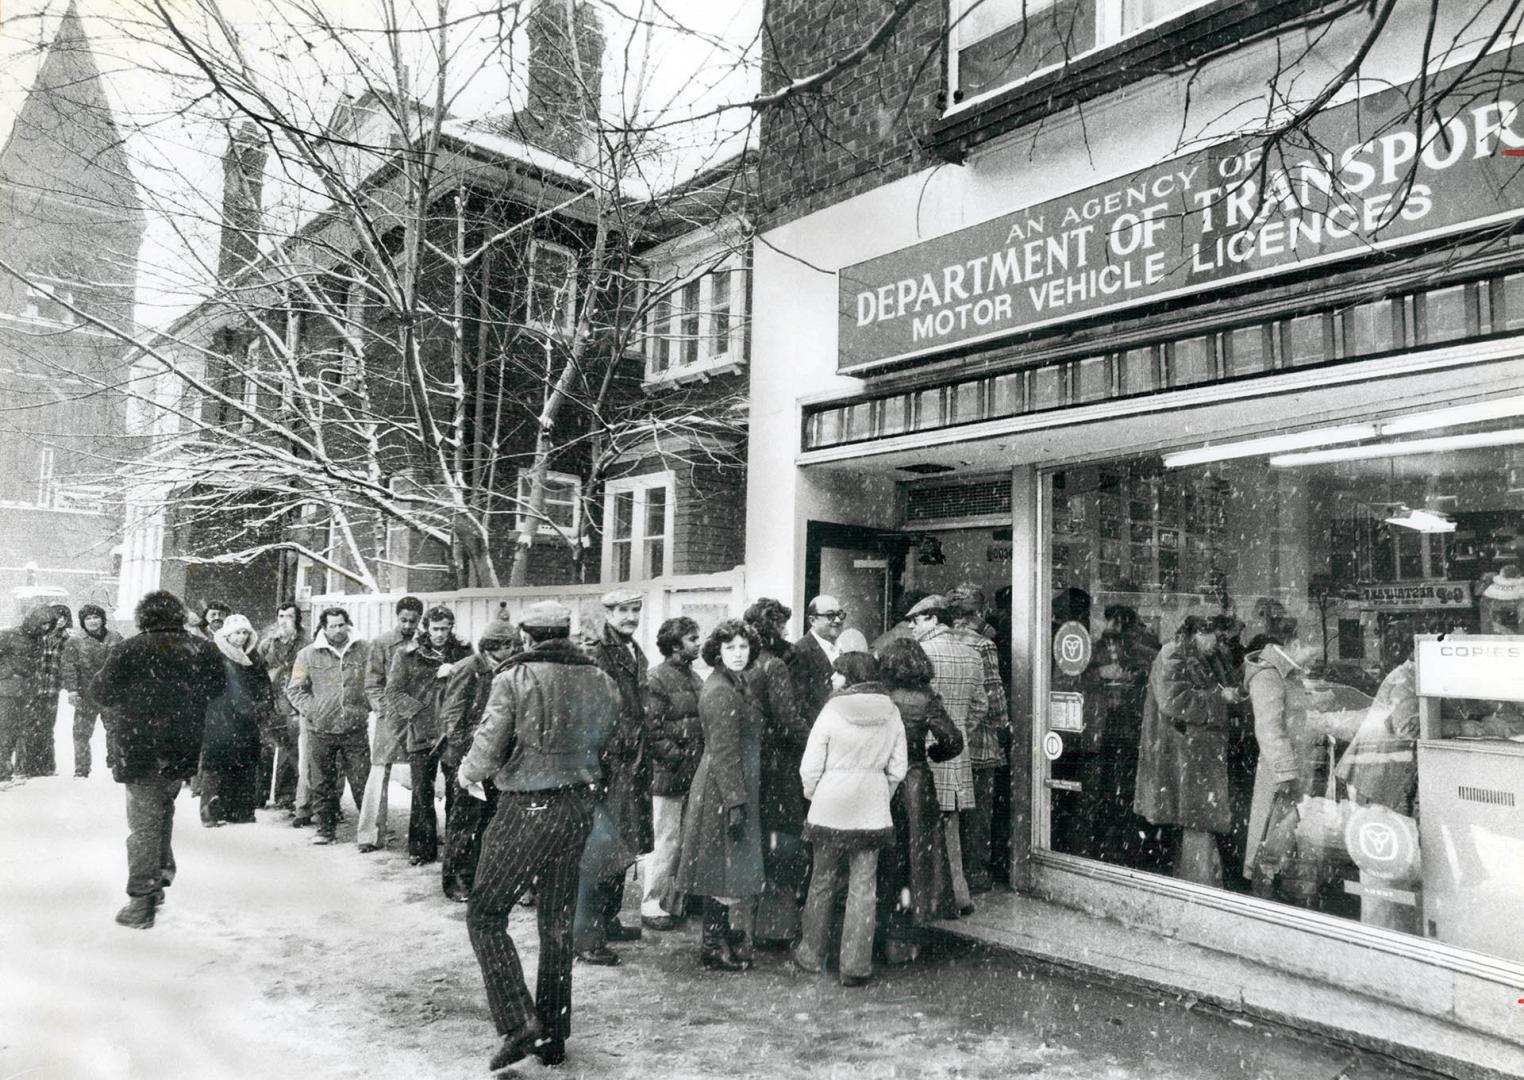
(1047, 387)
(1247, 351)
(1369, 328)
(1190, 361)
(1305, 341)
(1005, 395)
(1091, 381)
(1444, 314)
(1252, 611)
(1140, 371)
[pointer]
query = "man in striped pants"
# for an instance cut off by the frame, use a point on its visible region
(550, 712)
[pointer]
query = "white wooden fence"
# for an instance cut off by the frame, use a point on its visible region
(705, 598)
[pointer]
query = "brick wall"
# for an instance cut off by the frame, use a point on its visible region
(864, 128)
(709, 519)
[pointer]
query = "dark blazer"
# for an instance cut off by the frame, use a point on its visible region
(811, 672)
(160, 682)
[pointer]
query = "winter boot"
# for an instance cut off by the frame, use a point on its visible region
(715, 951)
(138, 914)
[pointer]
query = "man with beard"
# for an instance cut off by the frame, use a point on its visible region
(388, 747)
(159, 684)
(328, 688)
(84, 653)
(415, 682)
(627, 782)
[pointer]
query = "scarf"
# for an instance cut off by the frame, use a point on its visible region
(231, 625)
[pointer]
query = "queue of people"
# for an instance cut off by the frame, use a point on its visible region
(750, 798)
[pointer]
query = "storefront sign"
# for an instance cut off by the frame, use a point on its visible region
(1417, 596)
(1360, 178)
(1066, 711)
(1489, 666)
(1071, 648)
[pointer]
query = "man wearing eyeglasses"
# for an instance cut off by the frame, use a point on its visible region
(810, 660)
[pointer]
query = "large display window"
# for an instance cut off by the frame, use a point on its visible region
(1233, 697)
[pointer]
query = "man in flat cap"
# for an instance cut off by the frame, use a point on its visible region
(627, 780)
(989, 737)
(958, 677)
(548, 717)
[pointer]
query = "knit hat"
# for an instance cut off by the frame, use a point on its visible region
(499, 632)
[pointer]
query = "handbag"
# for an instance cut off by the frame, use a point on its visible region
(1322, 818)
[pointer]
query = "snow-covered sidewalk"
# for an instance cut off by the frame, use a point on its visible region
(277, 960)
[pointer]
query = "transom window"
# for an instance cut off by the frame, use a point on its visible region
(637, 534)
(552, 287)
(698, 324)
(563, 504)
(994, 43)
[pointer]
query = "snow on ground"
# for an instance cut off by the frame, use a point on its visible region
(276, 959)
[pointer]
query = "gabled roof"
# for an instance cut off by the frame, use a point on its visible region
(65, 141)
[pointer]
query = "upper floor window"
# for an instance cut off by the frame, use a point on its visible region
(50, 301)
(563, 504)
(994, 43)
(698, 324)
(552, 286)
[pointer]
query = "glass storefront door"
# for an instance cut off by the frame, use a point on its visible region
(1247, 717)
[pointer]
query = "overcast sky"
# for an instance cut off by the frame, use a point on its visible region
(675, 58)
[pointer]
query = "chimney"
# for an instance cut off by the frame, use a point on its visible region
(556, 115)
(243, 180)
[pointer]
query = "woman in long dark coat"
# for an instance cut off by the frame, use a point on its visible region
(1182, 758)
(785, 855)
(230, 754)
(722, 832)
(913, 874)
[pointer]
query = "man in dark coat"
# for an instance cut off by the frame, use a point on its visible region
(627, 777)
(158, 684)
(35, 753)
(548, 718)
(811, 659)
(278, 649)
(676, 742)
(415, 683)
(84, 653)
(460, 714)
(20, 660)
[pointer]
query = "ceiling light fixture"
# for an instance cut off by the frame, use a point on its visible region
(1439, 444)
(1469, 413)
(1422, 521)
(1269, 444)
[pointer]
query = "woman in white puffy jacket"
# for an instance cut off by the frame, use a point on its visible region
(854, 760)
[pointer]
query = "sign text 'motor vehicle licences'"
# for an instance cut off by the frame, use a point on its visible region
(1362, 176)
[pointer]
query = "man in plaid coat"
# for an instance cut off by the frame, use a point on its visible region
(959, 679)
